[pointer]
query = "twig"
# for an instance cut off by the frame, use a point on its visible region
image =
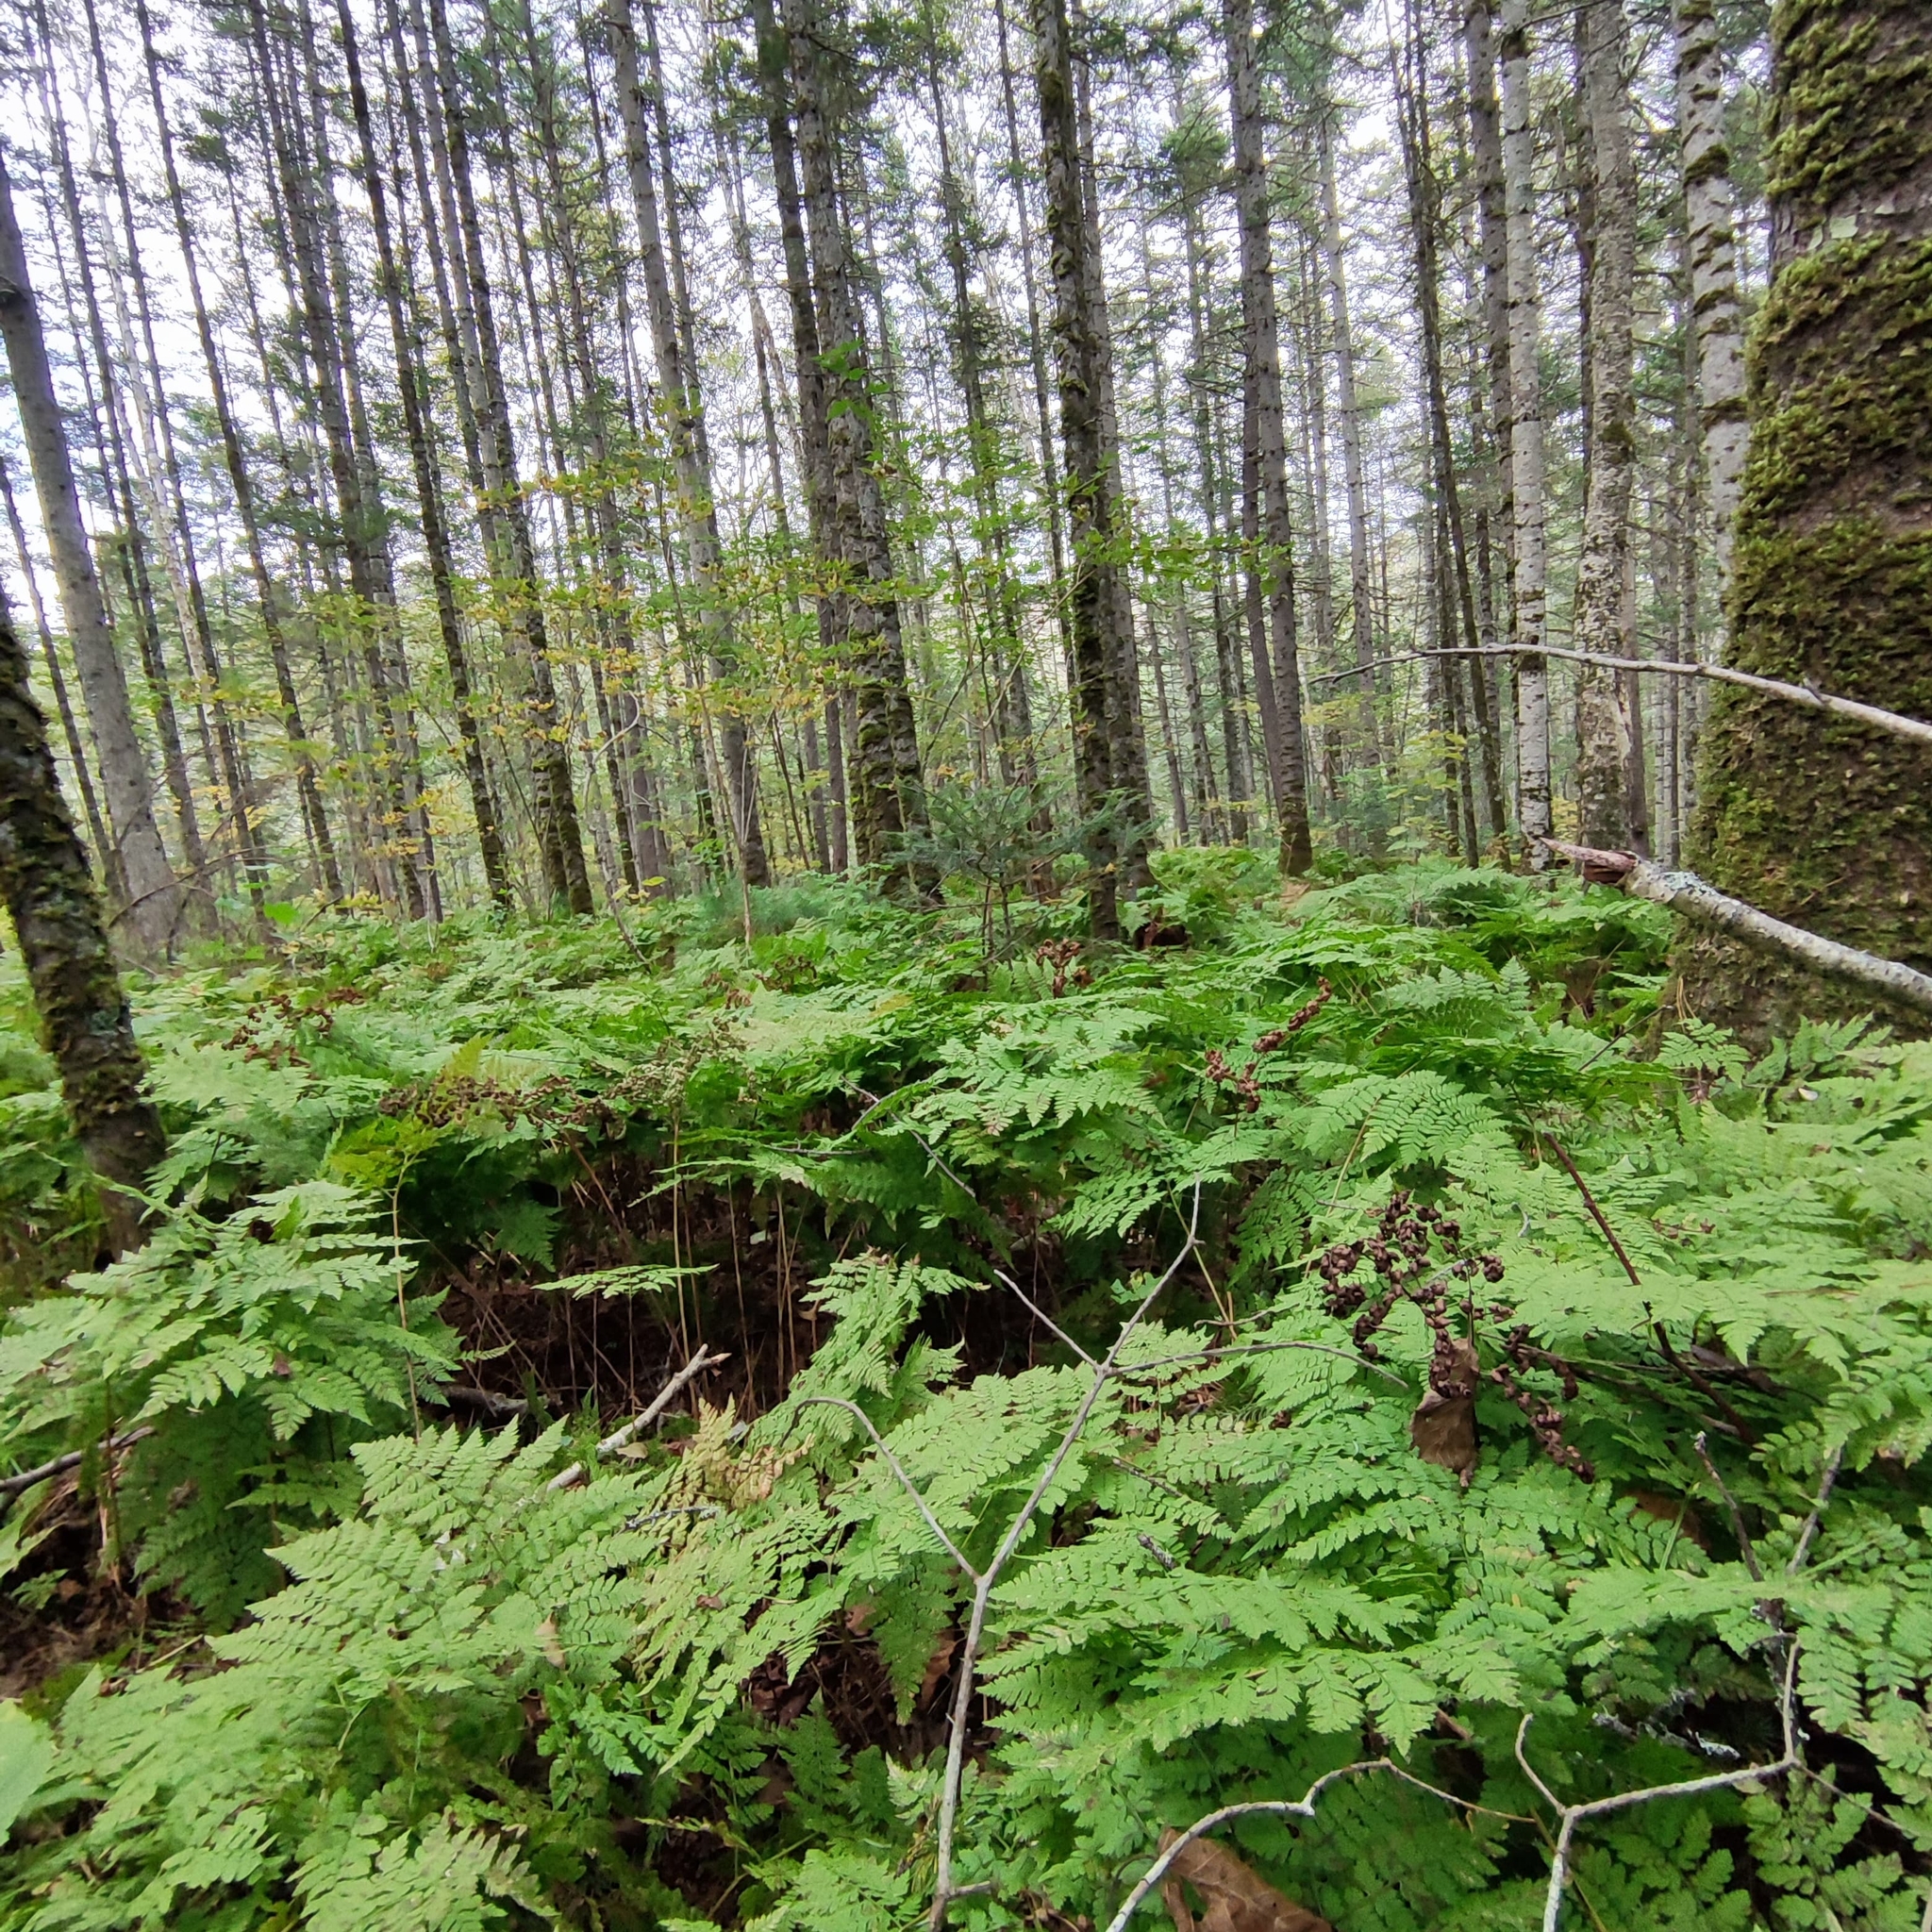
(1040, 1314)
(938, 1159)
(14, 1485)
(1685, 892)
(1597, 1214)
(485, 1400)
(1827, 1482)
(1570, 1816)
(1894, 722)
(1303, 1807)
(704, 1358)
(898, 1468)
(1746, 1547)
(1212, 1355)
(1701, 1383)
(1103, 1372)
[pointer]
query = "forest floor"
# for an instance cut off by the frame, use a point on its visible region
(1325, 1334)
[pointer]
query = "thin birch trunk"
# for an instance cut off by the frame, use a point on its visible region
(1604, 727)
(154, 900)
(1525, 438)
(1717, 313)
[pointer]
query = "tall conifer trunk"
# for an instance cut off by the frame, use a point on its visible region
(1266, 524)
(1605, 716)
(1090, 507)
(1710, 237)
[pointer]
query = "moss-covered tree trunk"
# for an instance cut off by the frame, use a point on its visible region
(1827, 825)
(50, 895)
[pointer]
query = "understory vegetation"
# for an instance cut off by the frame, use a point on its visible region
(1376, 1330)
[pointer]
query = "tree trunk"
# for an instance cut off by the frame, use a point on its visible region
(70, 729)
(1457, 588)
(1089, 509)
(1604, 727)
(169, 514)
(885, 784)
(1266, 522)
(560, 837)
(814, 446)
(1716, 312)
(1348, 423)
(315, 819)
(70, 967)
(1525, 438)
(154, 904)
(1035, 338)
(679, 385)
(1226, 670)
(1824, 824)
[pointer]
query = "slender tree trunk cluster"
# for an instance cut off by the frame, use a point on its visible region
(425, 512)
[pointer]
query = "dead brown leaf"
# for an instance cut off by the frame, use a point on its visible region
(1237, 1898)
(1444, 1426)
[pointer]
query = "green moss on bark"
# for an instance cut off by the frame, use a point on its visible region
(50, 894)
(1822, 824)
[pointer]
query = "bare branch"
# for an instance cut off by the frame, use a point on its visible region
(1574, 1815)
(1893, 722)
(1042, 1315)
(1105, 1371)
(704, 1358)
(1303, 1807)
(1684, 893)
(1214, 1354)
(1826, 1484)
(16, 1485)
(1746, 1547)
(898, 1468)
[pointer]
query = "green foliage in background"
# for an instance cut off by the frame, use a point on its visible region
(707, 1686)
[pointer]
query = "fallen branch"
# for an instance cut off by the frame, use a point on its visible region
(1303, 1807)
(14, 1485)
(638, 1424)
(1103, 1372)
(1685, 894)
(1874, 715)
(1570, 1816)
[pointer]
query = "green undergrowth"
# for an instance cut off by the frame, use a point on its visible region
(1526, 1322)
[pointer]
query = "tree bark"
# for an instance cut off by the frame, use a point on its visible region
(1716, 311)
(154, 903)
(1810, 820)
(1348, 424)
(1604, 720)
(1525, 436)
(885, 783)
(50, 896)
(677, 382)
(1090, 507)
(1266, 522)
(315, 819)
(560, 838)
